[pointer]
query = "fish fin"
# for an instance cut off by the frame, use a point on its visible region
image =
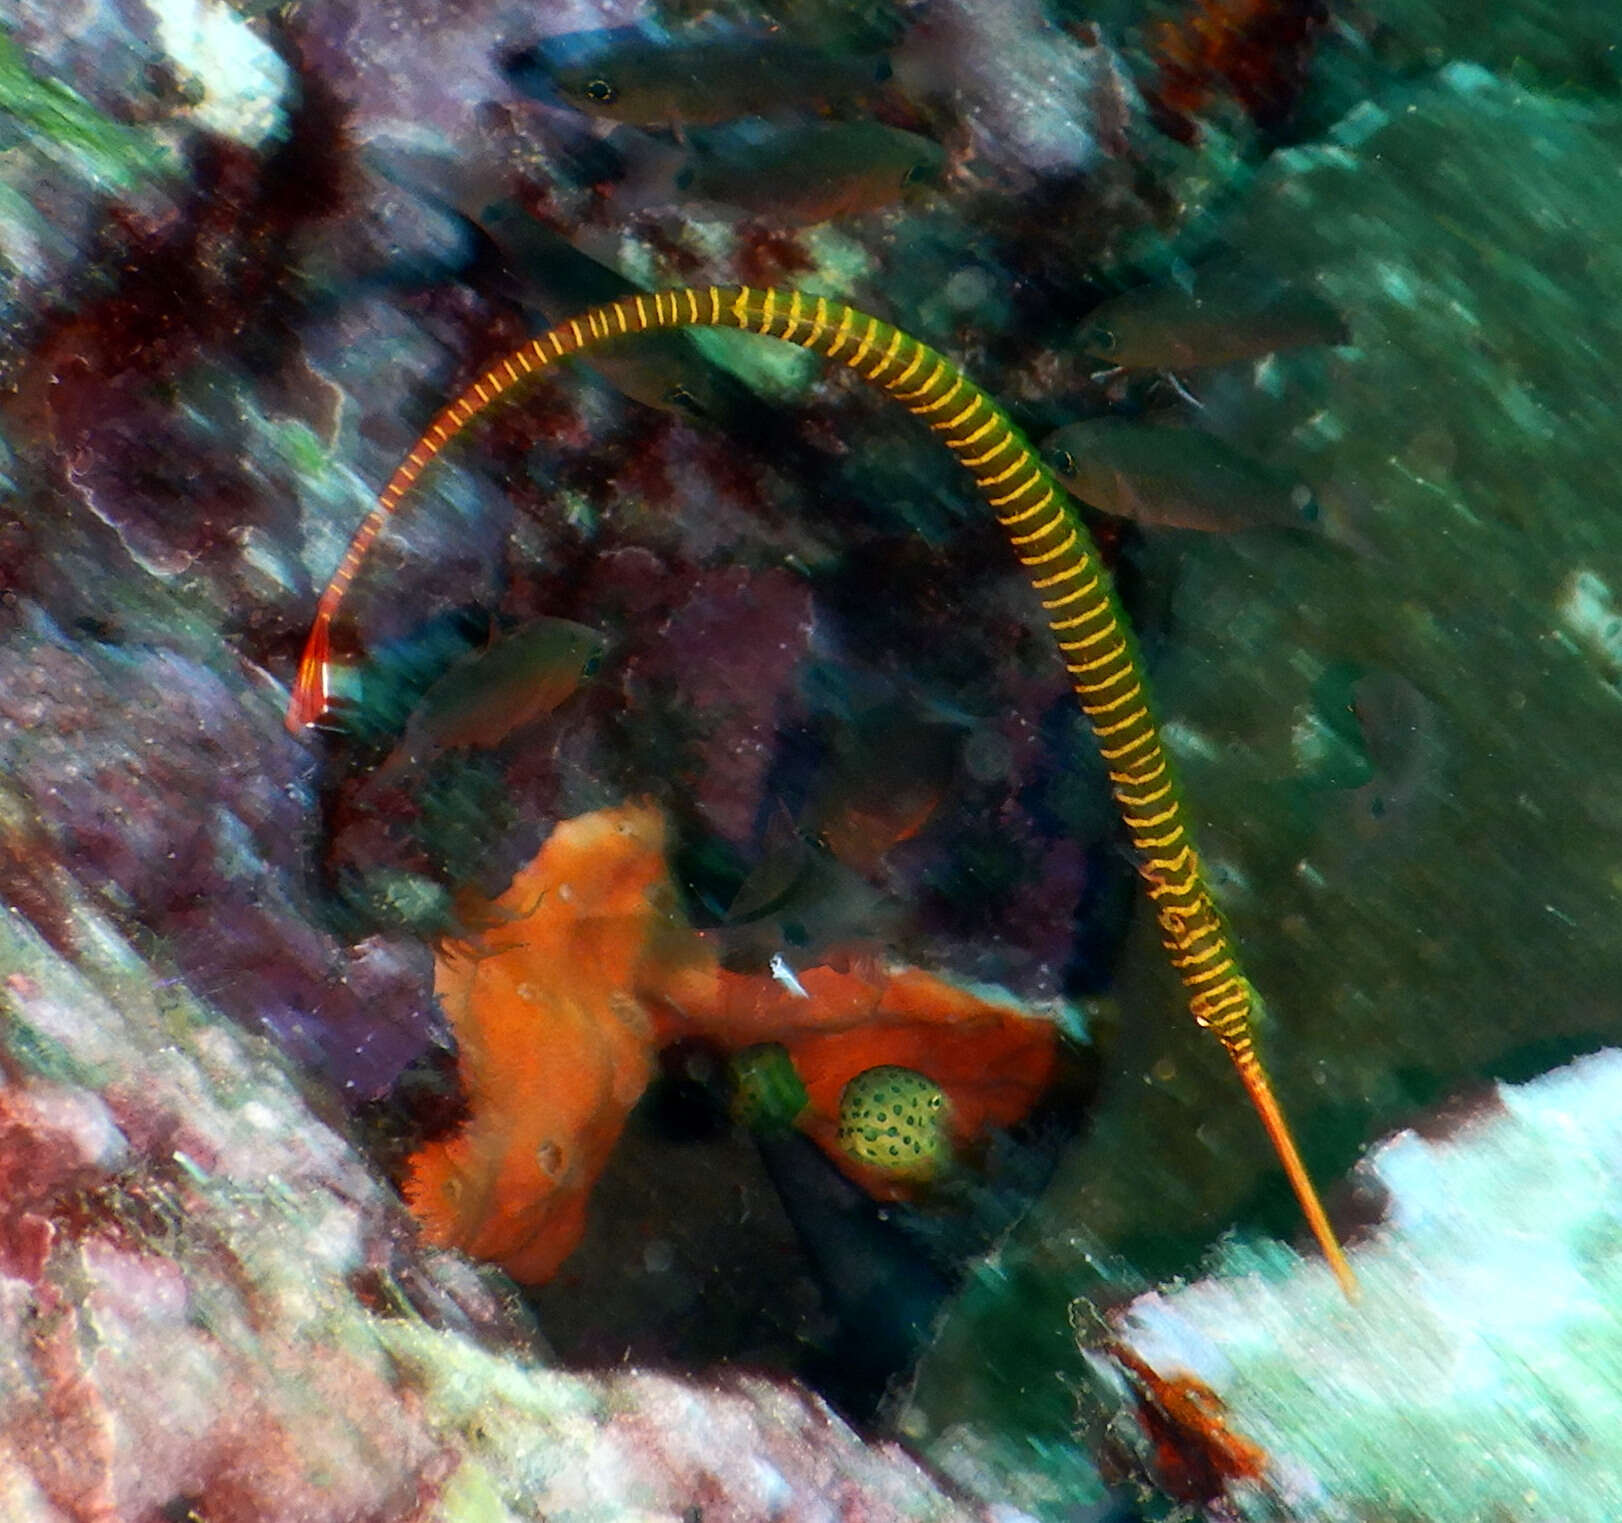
(1129, 501)
(1181, 390)
(655, 173)
(312, 691)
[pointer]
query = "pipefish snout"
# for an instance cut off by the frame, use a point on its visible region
(1061, 563)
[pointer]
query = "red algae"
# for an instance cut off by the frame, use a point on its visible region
(1196, 1453)
(1254, 52)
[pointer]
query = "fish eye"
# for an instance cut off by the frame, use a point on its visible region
(600, 91)
(680, 396)
(1099, 340)
(917, 174)
(1062, 461)
(594, 664)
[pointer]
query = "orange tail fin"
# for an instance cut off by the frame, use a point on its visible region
(312, 690)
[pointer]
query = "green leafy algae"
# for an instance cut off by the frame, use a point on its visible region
(61, 123)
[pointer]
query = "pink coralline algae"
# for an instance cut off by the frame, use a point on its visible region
(114, 748)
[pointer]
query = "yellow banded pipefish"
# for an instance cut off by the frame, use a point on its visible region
(1044, 528)
(546, 274)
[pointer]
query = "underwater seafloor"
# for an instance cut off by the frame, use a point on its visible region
(248, 252)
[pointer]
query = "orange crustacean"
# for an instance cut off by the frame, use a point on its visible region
(565, 987)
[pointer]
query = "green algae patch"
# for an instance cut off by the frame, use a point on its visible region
(62, 124)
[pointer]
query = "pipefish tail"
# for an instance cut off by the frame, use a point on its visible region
(1061, 563)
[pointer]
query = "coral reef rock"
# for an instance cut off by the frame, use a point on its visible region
(210, 1308)
(1487, 1315)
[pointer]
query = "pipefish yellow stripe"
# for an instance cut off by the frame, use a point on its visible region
(1061, 563)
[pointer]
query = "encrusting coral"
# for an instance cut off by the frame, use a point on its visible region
(565, 987)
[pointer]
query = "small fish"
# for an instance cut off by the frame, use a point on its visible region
(1174, 478)
(800, 896)
(1227, 314)
(548, 276)
(809, 174)
(533, 265)
(894, 1119)
(647, 83)
(495, 692)
(889, 773)
(883, 779)
(1402, 738)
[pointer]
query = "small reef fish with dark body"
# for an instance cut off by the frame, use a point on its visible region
(530, 263)
(493, 693)
(804, 175)
(1174, 478)
(647, 83)
(546, 274)
(814, 884)
(1403, 740)
(1225, 314)
(886, 779)
(800, 898)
